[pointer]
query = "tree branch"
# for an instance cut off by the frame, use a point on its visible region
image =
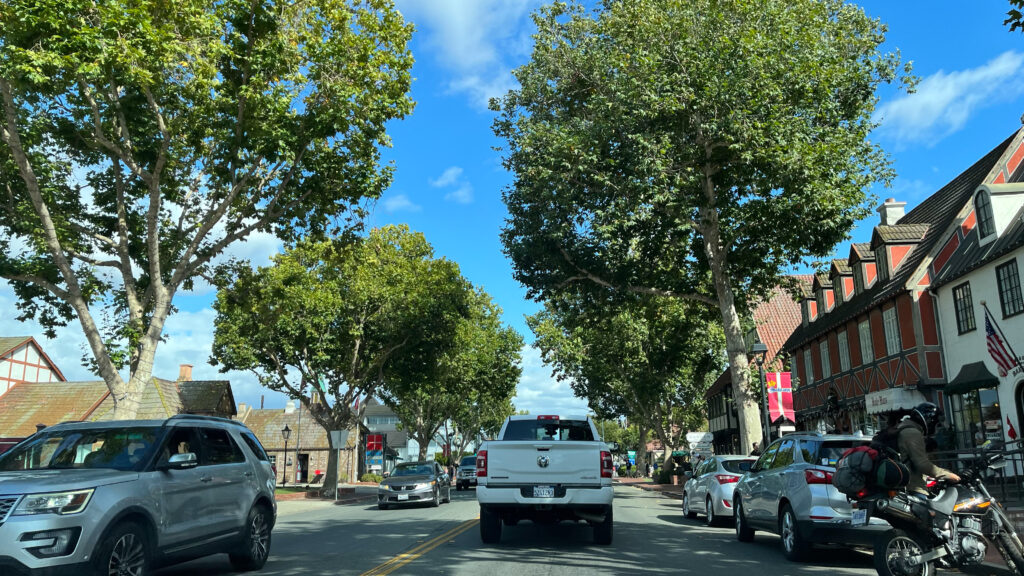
(588, 275)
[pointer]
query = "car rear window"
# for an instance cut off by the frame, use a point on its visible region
(827, 452)
(255, 446)
(738, 466)
(548, 430)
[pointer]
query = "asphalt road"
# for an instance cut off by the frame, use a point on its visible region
(651, 537)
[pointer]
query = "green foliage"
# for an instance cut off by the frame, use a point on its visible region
(142, 139)
(1015, 19)
(473, 382)
(368, 477)
(648, 358)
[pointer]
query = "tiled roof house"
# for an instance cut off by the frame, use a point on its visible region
(29, 404)
(775, 318)
(868, 341)
(23, 360)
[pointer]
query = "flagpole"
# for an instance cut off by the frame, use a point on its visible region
(1013, 352)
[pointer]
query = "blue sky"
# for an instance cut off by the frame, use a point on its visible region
(449, 179)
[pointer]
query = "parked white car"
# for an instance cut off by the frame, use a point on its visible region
(709, 489)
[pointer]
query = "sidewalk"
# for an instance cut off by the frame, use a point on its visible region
(348, 494)
(993, 563)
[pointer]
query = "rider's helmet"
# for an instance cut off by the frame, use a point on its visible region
(927, 415)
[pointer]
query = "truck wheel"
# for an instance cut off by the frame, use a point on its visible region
(603, 531)
(490, 526)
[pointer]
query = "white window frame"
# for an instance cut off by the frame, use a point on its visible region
(809, 366)
(844, 351)
(826, 361)
(892, 331)
(867, 353)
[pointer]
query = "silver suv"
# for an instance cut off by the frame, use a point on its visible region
(789, 491)
(125, 497)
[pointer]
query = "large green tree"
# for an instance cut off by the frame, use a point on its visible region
(691, 149)
(333, 321)
(649, 358)
(472, 382)
(139, 140)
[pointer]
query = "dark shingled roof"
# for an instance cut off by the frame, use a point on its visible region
(840, 268)
(206, 396)
(899, 234)
(862, 251)
(937, 212)
(822, 280)
(970, 256)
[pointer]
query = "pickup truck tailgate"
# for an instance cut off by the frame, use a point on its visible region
(558, 462)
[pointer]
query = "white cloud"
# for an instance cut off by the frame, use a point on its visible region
(459, 191)
(463, 194)
(944, 102)
(447, 178)
(540, 393)
(475, 40)
(399, 203)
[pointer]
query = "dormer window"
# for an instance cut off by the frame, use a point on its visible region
(983, 208)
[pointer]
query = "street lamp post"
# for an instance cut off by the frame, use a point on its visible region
(759, 350)
(286, 432)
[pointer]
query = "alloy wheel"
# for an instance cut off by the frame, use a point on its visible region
(788, 531)
(259, 537)
(128, 557)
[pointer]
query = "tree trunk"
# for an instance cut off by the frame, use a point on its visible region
(331, 477)
(641, 453)
(747, 409)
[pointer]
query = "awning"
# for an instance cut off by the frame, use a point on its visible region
(892, 399)
(973, 376)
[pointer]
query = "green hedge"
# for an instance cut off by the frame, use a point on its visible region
(371, 478)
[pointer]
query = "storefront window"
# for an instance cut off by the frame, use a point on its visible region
(977, 418)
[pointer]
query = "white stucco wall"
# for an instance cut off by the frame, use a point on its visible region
(962, 349)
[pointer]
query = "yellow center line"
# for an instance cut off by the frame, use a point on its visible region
(406, 557)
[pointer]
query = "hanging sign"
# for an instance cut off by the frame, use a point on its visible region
(780, 396)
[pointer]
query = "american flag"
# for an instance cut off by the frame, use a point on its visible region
(997, 348)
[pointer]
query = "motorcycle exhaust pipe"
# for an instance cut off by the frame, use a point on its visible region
(896, 508)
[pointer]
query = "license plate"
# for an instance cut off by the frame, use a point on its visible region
(859, 518)
(403, 496)
(543, 492)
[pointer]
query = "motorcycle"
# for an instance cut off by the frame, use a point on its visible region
(952, 528)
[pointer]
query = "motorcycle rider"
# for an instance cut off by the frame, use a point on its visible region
(911, 432)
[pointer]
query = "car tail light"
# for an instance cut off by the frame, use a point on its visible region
(606, 464)
(814, 476)
(726, 478)
(481, 463)
(273, 468)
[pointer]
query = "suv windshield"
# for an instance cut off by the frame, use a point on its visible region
(120, 449)
(468, 461)
(548, 430)
(413, 470)
(827, 452)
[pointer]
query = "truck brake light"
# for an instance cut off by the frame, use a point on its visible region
(481, 463)
(547, 417)
(606, 464)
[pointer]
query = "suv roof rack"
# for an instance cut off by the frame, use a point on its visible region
(203, 418)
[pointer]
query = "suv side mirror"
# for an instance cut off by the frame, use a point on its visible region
(180, 462)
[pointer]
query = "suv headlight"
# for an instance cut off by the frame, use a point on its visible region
(54, 503)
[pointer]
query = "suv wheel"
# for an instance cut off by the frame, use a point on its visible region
(744, 533)
(125, 551)
(793, 544)
(252, 554)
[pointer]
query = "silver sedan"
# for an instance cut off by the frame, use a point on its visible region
(709, 489)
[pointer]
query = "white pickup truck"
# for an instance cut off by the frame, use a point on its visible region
(545, 469)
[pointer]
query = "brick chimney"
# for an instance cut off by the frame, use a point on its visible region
(185, 373)
(891, 211)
